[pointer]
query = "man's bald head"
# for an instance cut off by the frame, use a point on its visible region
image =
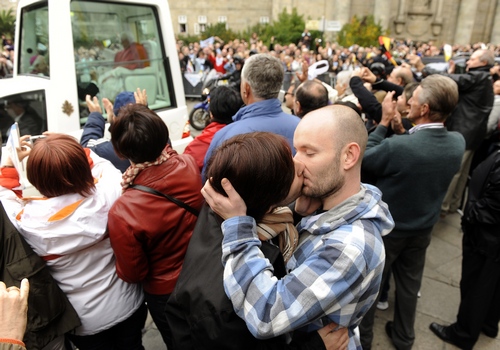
(401, 76)
(310, 95)
(337, 123)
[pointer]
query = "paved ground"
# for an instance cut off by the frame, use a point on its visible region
(439, 301)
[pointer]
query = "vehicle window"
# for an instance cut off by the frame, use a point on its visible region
(34, 43)
(28, 109)
(118, 48)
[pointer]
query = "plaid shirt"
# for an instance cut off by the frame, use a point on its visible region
(334, 275)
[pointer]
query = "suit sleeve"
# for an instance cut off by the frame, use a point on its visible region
(378, 153)
(487, 208)
(366, 99)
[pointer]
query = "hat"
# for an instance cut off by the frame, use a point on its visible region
(123, 99)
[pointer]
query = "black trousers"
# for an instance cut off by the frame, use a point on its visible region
(406, 258)
(479, 297)
(156, 306)
(126, 335)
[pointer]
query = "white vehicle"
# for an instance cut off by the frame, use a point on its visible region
(66, 49)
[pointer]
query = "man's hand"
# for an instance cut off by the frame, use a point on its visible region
(302, 76)
(140, 97)
(93, 104)
(368, 76)
(388, 109)
(451, 67)
(334, 339)
(13, 310)
(397, 124)
(225, 207)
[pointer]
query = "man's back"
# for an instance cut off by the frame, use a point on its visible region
(413, 172)
(265, 115)
(474, 106)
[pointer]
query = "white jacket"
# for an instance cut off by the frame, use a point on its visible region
(69, 232)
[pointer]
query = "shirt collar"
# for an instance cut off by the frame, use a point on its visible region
(425, 126)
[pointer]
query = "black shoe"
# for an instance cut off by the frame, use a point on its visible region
(490, 332)
(443, 334)
(388, 328)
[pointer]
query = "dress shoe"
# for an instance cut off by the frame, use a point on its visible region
(443, 333)
(388, 329)
(490, 332)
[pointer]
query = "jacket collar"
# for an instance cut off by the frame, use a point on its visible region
(262, 108)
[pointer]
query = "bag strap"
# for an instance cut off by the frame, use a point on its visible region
(170, 198)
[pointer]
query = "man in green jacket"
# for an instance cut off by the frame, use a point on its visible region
(413, 172)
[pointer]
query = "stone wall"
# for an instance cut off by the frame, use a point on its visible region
(444, 21)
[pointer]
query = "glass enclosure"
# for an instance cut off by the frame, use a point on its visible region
(118, 47)
(34, 43)
(27, 109)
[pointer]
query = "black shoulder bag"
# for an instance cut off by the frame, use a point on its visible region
(170, 198)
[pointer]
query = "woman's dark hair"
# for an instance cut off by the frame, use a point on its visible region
(224, 103)
(58, 165)
(260, 167)
(139, 134)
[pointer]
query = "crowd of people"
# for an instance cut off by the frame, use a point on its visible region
(290, 249)
(7, 57)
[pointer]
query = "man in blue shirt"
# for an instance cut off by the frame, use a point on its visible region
(261, 80)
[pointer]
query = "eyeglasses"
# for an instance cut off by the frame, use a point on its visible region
(289, 93)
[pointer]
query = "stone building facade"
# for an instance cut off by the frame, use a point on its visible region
(444, 21)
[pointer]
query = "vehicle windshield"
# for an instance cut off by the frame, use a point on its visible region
(118, 47)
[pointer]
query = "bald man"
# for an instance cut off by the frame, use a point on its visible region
(310, 95)
(401, 76)
(335, 273)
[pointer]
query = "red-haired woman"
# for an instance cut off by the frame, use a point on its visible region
(67, 228)
(150, 233)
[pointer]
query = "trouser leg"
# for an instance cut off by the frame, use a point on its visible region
(408, 269)
(156, 306)
(479, 288)
(366, 325)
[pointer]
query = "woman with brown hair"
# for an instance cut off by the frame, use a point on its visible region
(261, 168)
(67, 228)
(150, 233)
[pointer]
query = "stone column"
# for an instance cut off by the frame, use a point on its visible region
(465, 21)
(382, 12)
(342, 11)
(495, 34)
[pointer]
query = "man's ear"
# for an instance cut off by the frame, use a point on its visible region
(297, 108)
(350, 156)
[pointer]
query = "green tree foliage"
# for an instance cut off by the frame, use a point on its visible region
(220, 31)
(364, 32)
(7, 20)
(289, 27)
(186, 39)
